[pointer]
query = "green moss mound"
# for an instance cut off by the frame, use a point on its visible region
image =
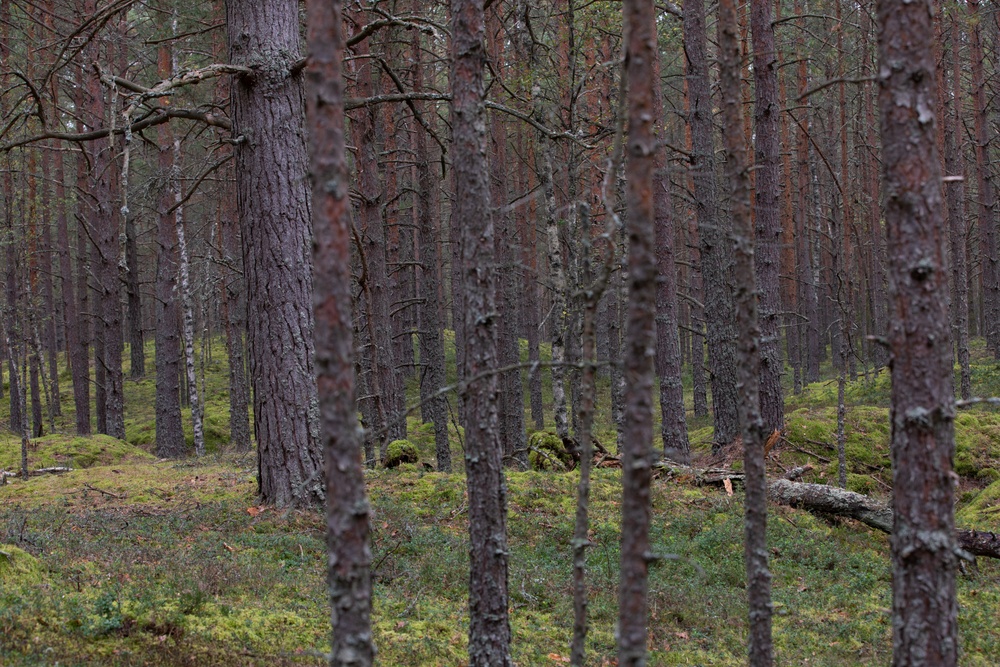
(547, 452)
(401, 451)
(70, 451)
(19, 567)
(983, 512)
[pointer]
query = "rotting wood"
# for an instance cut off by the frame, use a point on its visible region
(839, 502)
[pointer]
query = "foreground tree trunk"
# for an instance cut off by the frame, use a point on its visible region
(273, 205)
(637, 450)
(348, 513)
(761, 650)
(489, 626)
(924, 624)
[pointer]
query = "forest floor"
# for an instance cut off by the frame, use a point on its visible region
(130, 560)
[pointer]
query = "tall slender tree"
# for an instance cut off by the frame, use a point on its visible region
(640, 165)
(489, 625)
(767, 221)
(348, 512)
(924, 609)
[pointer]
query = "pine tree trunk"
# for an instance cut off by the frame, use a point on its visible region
(761, 651)
(348, 513)
(713, 231)
(955, 194)
(924, 623)
(383, 377)
(274, 212)
(767, 222)
(640, 331)
(431, 337)
(986, 188)
(668, 349)
(489, 625)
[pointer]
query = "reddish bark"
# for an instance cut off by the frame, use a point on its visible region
(348, 513)
(637, 452)
(923, 405)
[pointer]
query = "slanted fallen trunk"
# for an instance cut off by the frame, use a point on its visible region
(836, 501)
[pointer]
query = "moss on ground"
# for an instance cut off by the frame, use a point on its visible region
(19, 568)
(133, 561)
(69, 451)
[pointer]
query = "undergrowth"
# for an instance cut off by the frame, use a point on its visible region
(129, 560)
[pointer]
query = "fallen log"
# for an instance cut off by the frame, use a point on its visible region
(840, 502)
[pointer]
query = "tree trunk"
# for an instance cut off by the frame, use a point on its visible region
(104, 226)
(668, 349)
(637, 452)
(431, 337)
(77, 357)
(761, 651)
(489, 625)
(923, 405)
(348, 513)
(383, 378)
(767, 222)
(274, 212)
(558, 280)
(187, 306)
(955, 191)
(713, 231)
(986, 188)
(235, 322)
(825, 499)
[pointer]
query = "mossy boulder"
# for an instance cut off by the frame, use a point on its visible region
(983, 512)
(19, 567)
(546, 451)
(401, 451)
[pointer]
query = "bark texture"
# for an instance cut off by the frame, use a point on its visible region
(273, 204)
(169, 429)
(712, 231)
(668, 344)
(489, 625)
(923, 404)
(761, 651)
(431, 336)
(637, 452)
(767, 222)
(348, 513)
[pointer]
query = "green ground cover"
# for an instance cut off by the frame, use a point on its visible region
(130, 560)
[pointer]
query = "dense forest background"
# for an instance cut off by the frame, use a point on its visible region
(514, 234)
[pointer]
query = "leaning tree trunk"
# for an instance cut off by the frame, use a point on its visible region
(348, 513)
(489, 624)
(274, 211)
(924, 619)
